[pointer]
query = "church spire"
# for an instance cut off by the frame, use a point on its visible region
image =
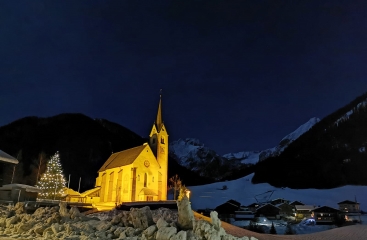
(158, 121)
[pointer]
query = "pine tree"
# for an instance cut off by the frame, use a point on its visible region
(272, 229)
(52, 181)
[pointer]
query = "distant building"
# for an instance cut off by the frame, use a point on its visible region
(351, 210)
(324, 215)
(348, 206)
(269, 211)
(278, 201)
(294, 203)
(304, 211)
(286, 209)
(18, 193)
(253, 206)
(7, 162)
(228, 207)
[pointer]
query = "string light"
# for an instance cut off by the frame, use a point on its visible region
(52, 181)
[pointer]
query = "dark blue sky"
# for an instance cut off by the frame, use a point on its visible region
(238, 75)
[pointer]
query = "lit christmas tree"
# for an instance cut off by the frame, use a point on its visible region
(52, 181)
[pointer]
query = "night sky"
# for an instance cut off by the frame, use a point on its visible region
(237, 75)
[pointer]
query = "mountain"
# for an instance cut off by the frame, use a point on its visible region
(193, 155)
(84, 144)
(252, 157)
(331, 154)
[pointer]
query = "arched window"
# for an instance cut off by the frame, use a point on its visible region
(138, 177)
(145, 179)
(162, 140)
(153, 179)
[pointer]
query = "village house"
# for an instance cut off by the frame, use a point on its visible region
(278, 201)
(294, 203)
(286, 209)
(6, 162)
(304, 211)
(253, 206)
(269, 211)
(348, 206)
(324, 215)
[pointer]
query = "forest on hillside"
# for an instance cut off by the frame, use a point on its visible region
(333, 153)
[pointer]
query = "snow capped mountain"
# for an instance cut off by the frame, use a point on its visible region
(192, 154)
(253, 157)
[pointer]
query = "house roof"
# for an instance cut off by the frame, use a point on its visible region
(348, 202)
(4, 157)
(271, 205)
(90, 191)
(296, 203)
(71, 192)
(304, 207)
(284, 203)
(122, 158)
(27, 188)
(254, 205)
(320, 209)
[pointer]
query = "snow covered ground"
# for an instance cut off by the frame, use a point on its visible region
(243, 191)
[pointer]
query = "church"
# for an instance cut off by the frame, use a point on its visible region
(139, 173)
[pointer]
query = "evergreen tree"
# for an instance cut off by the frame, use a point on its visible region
(272, 229)
(52, 181)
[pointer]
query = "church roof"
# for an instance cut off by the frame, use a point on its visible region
(159, 120)
(147, 192)
(122, 158)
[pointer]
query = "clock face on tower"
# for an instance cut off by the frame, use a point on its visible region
(146, 163)
(162, 149)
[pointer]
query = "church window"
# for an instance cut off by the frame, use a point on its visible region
(145, 179)
(162, 140)
(153, 141)
(138, 177)
(153, 179)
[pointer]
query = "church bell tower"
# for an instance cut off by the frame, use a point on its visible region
(158, 142)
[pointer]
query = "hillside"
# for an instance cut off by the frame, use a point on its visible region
(84, 145)
(331, 154)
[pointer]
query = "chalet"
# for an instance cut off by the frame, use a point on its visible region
(278, 201)
(18, 193)
(324, 215)
(351, 210)
(253, 206)
(294, 203)
(228, 207)
(304, 211)
(348, 206)
(269, 211)
(286, 209)
(6, 162)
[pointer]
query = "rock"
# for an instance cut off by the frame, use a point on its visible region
(165, 233)
(162, 223)
(19, 208)
(24, 227)
(141, 217)
(181, 235)
(185, 214)
(116, 220)
(215, 220)
(103, 226)
(75, 213)
(56, 228)
(149, 232)
(118, 231)
(12, 220)
(63, 210)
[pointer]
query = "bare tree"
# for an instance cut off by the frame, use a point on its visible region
(175, 184)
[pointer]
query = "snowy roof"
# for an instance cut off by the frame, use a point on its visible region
(325, 207)
(7, 158)
(148, 192)
(23, 186)
(122, 158)
(90, 191)
(267, 205)
(70, 192)
(304, 207)
(348, 202)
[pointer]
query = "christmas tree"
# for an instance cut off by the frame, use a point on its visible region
(52, 181)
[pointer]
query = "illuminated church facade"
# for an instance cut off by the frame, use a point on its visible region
(139, 173)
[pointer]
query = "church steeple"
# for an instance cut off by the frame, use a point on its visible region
(158, 121)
